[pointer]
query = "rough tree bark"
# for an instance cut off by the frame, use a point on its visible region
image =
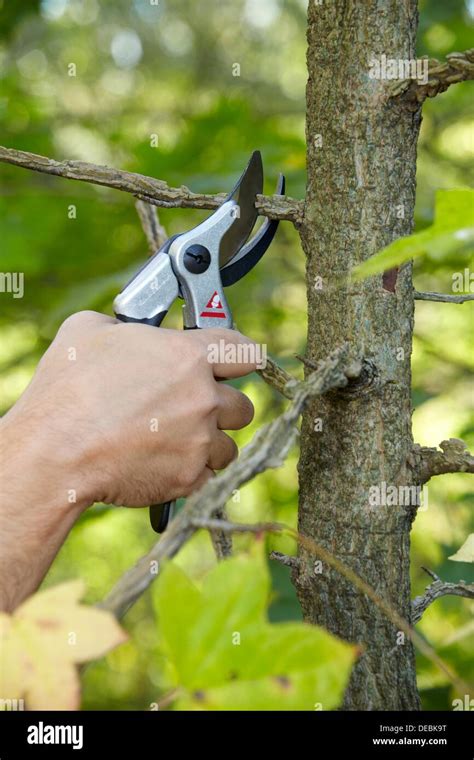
(359, 180)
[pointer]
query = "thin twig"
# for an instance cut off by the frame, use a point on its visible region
(279, 378)
(221, 539)
(436, 590)
(285, 559)
(154, 191)
(442, 297)
(431, 573)
(155, 233)
(225, 526)
(307, 362)
(169, 697)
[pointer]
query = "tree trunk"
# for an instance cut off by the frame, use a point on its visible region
(361, 158)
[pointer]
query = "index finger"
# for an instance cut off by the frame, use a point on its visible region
(232, 354)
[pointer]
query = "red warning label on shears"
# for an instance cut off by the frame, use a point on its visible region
(214, 307)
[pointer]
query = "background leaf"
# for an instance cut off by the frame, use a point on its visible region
(43, 639)
(466, 552)
(452, 231)
(228, 656)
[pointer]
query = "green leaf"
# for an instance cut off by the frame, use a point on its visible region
(451, 231)
(228, 656)
(178, 603)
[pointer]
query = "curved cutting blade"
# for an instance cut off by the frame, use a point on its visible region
(249, 185)
(251, 253)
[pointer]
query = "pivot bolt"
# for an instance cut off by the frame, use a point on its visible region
(197, 259)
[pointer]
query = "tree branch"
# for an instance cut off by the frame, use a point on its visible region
(279, 378)
(458, 67)
(285, 559)
(436, 590)
(226, 526)
(221, 539)
(443, 297)
(452, 456)
(155, 233)
(154, 191)
(268, 448)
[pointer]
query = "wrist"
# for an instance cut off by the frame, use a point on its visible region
(40, 471)
(42, 495)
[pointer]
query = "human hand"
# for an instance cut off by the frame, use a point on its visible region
(133, 414)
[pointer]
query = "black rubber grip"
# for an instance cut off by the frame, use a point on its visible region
(160, 515)
(154, 321)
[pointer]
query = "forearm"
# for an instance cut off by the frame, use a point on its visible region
(39, 503)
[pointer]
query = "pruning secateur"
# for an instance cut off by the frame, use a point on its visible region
(196, 266)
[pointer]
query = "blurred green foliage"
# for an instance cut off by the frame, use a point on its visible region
(167, 70)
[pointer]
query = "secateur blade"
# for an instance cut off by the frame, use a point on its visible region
(247, 188)
(251, 253)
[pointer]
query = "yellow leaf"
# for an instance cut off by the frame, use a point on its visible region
(9, 676)
(43, 640)
(466, 552)
(54, 598)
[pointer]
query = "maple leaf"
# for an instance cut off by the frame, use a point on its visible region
(44, 639)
